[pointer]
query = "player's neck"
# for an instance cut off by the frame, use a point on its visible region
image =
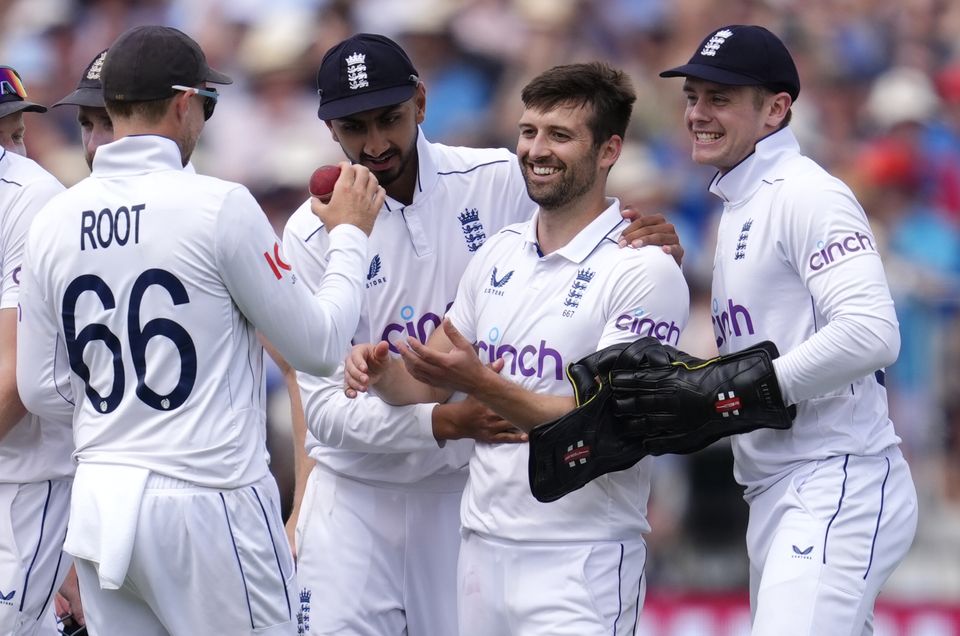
(558, 226)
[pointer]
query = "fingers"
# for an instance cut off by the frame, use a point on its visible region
(355, 369)
(455, 336)
(509, 437)
(497, 365)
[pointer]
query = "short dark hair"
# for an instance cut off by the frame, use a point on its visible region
(151, 111)
(608, 90)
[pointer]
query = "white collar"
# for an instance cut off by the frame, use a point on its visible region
(137, 154)
(762, 165)
(587, 240)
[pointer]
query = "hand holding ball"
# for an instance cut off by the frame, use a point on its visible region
(322, 181)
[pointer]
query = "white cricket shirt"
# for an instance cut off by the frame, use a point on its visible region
(797, 264)
(541, 313)
(415, 258)
(35, 449)
(152, 281)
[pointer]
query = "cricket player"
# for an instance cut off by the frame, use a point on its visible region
(833, 508)
(143, 286)
(35, 465)
(539, 295)
(378, 535)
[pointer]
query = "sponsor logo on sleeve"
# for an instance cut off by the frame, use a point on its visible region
(276, 262)
(839, 249)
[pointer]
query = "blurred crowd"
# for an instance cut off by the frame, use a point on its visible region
(879, 107)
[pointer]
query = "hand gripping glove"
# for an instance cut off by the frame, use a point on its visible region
(610, 431)
(569, 452)
(680, 404)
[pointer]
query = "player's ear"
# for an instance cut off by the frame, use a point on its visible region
(610, 151)
(420, 102)
(182, 104)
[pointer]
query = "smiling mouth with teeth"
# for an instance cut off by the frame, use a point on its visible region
(545, 170)
(707, 136)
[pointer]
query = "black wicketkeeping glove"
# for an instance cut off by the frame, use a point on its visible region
(646, 398)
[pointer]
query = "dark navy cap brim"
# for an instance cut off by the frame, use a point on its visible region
(217, 77)
(89, 97)
(9, 108)
(712, 74)
(353, 104)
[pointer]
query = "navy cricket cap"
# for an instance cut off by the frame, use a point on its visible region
(89, 91)
(742, 55)
(13, 95)
(146, 61)
(364, 72)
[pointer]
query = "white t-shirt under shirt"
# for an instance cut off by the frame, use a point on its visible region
(797, 264)
(541, 313)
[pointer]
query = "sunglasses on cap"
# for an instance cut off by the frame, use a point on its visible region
(10, 83)
(210, 96)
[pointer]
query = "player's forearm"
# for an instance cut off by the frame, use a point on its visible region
(524, 409)
(843, 351)
(397, 387)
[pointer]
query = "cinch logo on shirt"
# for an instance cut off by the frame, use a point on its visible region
(528, 360)
(419, 328)
(830, 253)
(667, 332)
(730, 320)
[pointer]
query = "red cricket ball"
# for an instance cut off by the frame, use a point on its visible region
(322, 180)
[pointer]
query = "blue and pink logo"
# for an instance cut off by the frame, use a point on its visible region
(663, 331)
(730, 320)
(529, 360)
(412, 326)
(829, 253)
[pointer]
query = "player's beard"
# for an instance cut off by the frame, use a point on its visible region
(576, 180)
(405, 157)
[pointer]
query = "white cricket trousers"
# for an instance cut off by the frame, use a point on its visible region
(823, 540)
(204, 561)
(33, 524)
(512, 588)
(376, 561)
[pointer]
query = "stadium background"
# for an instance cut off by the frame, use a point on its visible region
(880, 107)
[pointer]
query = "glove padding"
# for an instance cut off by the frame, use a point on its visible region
(647, 398)
(680, 404)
